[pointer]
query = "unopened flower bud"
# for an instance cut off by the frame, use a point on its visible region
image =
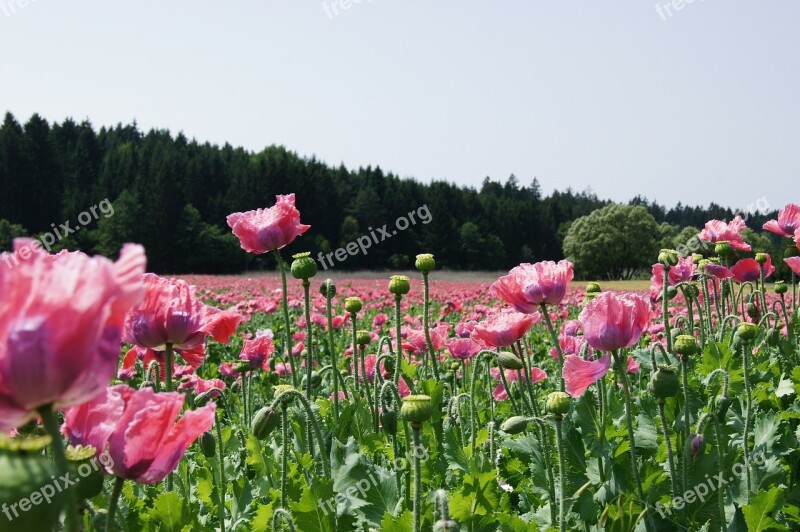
(264, 422)
(696, 445)
(514, 425)
(208, 445)
(328, 289)
(508, 360)
(558, 403)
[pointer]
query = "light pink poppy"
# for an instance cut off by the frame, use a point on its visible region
(369, 366)
(612, 321)
(61, 323)
(503, 328)
(579, 374)
(500, 393)
(257, 352)
(463, 348)
(787, 223)
(794, 264)
(528, 286)
(264, 230)
(139, 429)
(717, 231)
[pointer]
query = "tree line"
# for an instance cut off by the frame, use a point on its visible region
(172, 195)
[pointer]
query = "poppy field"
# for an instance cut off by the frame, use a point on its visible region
(131, 401)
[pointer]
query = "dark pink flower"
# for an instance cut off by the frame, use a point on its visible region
(718, 271)
(528, 286)
(264, 230)
(718, 231)
(787, 223)
(748, 270)
(612, 321)
(199, 385)
(257, 352)
(139, 429)
(463, 348)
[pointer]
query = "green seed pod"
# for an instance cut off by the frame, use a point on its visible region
(514, 425)
(781, 288)
(723, 249)
(762, 258)
(593, 288)
(416, 408)
(86, 470)
(685, 344)
(508, 360)
(445, 525)
(22, 477)
(353, 305)
(328, 288)
(303, 266)
(425, 262)
(399, 285)
(363, 337)
(208, 444)
(264, 422)
(558, 403)
(664, 382)
(747, 331)
(389, 422)
(721, 406)
(668, 257)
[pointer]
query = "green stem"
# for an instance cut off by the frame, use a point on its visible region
(309, 340)
(112, 503)
(355, 354)
(748, 403)
(334, 358)
(631, 438)
(323, 457)
(557, 344)
(425, 326)
(670, 456)
(287, 325)
(415, 430)
(723, 524)
(51, 426)
(169, 362)
(399, 353)
(284, 453)
(562, 525)
(665, 308)
(686, 420)
(601, 429)
(223, 488)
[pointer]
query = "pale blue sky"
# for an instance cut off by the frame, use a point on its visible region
(699, 106)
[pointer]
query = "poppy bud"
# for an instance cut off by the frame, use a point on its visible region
(664, 382)
(721, 405)
(353, 305)
(773, 337)
(399, 285)
(747, 331)
(328, 288)
(425, 262)
(752, 310)
(514, 425)
(781, 288)
(668, 257)
(303, 267)
(363, 337)
(508, 360)
(671, 292)
(389, 422)
(207, 444)
(558, 403)
(696, 445)
(762, 258)
(264, 422)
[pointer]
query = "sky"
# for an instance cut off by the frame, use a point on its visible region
(673, 100)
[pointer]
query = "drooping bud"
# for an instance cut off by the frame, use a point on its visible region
(508, 360)
(721, 405)
(416, 408)
(514, 425)
(664, 382)
(389, 422)
(208, 444)
(752, 310)
(303, 267)
(264, 422)
(425, 262)
(691, 291)
(353, 305)
(399, 285)
(696, 445)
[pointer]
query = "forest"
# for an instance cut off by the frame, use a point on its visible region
(172, 195)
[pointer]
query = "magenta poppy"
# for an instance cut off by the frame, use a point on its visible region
(611, 322)
(264, 230)
(748, 270)
(528, 286)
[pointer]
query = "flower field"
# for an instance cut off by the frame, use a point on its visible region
(135, 402)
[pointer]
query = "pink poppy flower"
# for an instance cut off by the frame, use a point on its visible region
(60, 326)
(528, 286)
(264, 230)
(140, 430)
(571, 328)
(416, 342)
(464, 328)
(463, 348)
(194, 358)
(199, 385)
(717, 231)
(228, 369)
(283, 369)
(257, 352)
(787, 223)
(794, 264)
(579, 374)
(748, 270)
(171, 313)
(369, 365)
(503, 328)
(500, 393)
(379, 320)
(570, 345)
(612, 321)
